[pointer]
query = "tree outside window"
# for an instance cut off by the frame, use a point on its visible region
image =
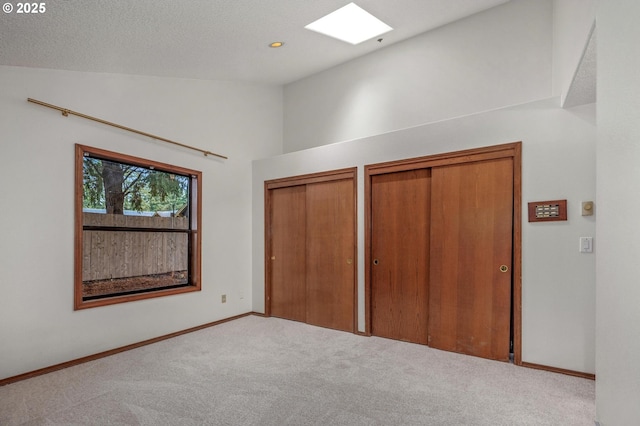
(137, 225)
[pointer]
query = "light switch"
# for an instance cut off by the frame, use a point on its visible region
(586, 244)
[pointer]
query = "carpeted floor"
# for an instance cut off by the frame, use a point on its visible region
(268, 371)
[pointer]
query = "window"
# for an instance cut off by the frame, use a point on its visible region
(136, 225)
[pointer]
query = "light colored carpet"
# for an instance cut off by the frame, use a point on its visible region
(268, 371)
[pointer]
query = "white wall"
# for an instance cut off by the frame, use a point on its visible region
(403, 100)
(618, 171)
(558, 302)
(573, 21)
(493, 59)
(38, 326)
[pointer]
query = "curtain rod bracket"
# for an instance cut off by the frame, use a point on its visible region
(65, 112)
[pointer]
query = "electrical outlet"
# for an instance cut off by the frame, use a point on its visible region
(224, 298)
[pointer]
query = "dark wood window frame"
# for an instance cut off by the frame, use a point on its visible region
(193, 231)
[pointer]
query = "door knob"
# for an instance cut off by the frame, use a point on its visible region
(504, 268)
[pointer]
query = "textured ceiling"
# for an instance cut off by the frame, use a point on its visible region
(583, 87)
(206, 39)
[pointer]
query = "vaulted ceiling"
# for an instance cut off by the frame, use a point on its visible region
(206, 39)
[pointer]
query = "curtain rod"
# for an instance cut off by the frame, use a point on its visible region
(66, 112)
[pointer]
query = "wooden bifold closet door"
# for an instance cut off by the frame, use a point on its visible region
(310, 245)
(471, 256)
(400, 251)
(330, 254)
(287, 257)
(440, 251)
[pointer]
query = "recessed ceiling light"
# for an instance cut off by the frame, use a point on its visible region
(350, 23)
(276, 44)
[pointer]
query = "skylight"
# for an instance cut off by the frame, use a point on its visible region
(350, 23)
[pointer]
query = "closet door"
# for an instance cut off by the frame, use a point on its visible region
(471, 258)
(400, 215)
(310, 248)
(287, 259)
(330, 253)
